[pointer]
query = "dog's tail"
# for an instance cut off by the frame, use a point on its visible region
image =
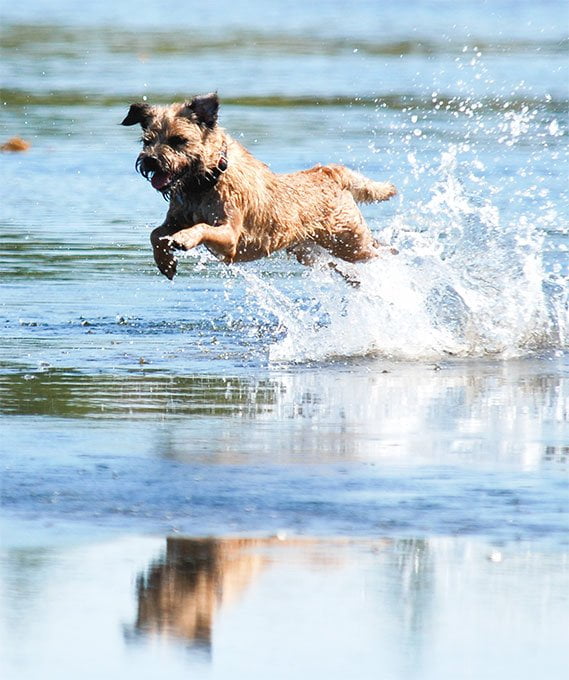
(363, 190)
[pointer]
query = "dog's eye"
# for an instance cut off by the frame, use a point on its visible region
(176, 141)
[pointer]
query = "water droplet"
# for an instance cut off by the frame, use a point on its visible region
(553, 128)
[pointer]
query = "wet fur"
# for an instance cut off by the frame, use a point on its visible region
(241, 210)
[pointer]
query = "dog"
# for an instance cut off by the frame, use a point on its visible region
(221, 196)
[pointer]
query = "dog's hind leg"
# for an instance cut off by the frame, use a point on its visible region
(351, 242)
(307, 253)
(311, 254)
(349, 237)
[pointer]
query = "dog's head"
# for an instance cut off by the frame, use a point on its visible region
(177, 140)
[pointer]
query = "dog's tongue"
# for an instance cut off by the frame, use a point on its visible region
(160, 179)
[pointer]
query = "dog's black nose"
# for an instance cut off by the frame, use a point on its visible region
(150, 164)
(147, 165)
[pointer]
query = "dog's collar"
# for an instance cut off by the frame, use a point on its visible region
(201, 183)
(222, 163)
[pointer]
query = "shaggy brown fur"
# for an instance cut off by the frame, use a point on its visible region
(223, 197)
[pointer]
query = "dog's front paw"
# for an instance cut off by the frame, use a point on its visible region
(165, 260)
(163, 252)
(177, 242)
(169, 268)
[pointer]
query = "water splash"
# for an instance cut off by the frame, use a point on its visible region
(465, 283)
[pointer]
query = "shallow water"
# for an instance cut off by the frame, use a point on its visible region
(413, 432)
(223, 608)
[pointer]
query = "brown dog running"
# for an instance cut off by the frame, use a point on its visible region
(223, 197)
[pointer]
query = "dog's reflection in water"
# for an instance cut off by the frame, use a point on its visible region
(179, 594)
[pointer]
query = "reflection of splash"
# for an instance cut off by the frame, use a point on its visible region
(508, 411)
(463, 284)
(412, 594)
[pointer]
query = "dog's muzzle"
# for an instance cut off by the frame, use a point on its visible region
(149, 167)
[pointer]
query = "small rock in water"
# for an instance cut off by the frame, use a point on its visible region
(15, 144)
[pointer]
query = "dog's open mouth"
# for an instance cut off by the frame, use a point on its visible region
(160, 180)
(150, 169)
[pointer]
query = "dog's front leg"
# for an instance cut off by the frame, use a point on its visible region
(221, 239)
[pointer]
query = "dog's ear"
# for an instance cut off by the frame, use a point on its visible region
(205, 108)
(138, 113)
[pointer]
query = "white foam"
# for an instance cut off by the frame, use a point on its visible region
(463, 284)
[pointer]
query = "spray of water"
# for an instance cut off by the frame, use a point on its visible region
(463, 284)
